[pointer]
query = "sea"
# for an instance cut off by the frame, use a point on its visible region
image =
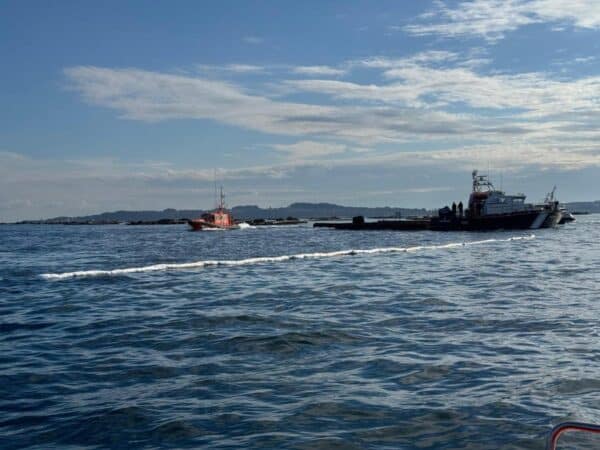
(291, 337)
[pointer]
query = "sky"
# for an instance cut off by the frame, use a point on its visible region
(136, 105)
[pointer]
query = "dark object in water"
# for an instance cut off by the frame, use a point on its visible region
(158, 222)
(444, 222)
(286, 221)
(359, 223)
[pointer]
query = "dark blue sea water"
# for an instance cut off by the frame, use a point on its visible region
(478, 346)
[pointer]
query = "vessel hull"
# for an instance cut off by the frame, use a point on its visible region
(553, 219)
(516, 221)
(389, 225)
(199, 225)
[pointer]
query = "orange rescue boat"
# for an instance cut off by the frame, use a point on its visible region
(220, 218)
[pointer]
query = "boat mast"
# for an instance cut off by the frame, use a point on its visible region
(222, 199)
(215, 180)
(550, 195)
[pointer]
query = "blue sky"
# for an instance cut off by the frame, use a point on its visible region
(132, 105)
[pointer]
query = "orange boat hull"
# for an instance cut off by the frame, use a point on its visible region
(200, 224)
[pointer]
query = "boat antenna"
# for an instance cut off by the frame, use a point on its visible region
(550, 195)
(222, 200)
(215, 180)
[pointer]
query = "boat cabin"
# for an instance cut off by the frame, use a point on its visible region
(486, 200)
(499, 203)
(219, 218)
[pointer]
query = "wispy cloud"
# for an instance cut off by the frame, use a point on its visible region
(584, 59)
(308, 149)
(426, 57)
(152, 96)
(430, 98)
(253, 40)
(318, 70)
(492, 19)
(232, 68)
(538, 104)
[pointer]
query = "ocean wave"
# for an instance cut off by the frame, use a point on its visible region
(271, 259)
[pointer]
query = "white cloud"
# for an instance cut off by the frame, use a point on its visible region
(303, 150)
(532, 111)
(426, 57)
(232, 68)
(152, 96)
(244, 68)
(581, 13)
(527, 91)
(538, 103)
(492, 19)
(318, 70)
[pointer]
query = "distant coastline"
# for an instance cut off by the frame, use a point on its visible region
(308, 211)
(299, 210)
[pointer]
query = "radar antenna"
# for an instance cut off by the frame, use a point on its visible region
(481, 182)
(550, 195)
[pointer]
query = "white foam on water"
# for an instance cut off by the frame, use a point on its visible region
(216, 229)
(271, 259)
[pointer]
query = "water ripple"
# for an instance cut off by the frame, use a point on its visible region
(296, 338)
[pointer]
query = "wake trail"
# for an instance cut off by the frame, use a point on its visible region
(271, 259)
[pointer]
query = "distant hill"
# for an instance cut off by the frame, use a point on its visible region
(589, 207)
(126, 216)
(246, 212)
(320, 210)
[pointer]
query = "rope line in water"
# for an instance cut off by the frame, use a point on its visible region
(561, 428)
(272, 259)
